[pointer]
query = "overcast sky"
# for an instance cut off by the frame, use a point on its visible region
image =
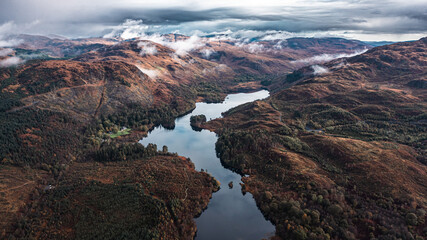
(393, 20)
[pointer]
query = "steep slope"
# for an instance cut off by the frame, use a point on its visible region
(338, 153)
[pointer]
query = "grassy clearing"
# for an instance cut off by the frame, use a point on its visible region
(120, 133)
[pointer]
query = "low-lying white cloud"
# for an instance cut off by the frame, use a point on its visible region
(5, 52)
(12, 61)
(131, 29)
(279, 45)
(185, 46)
(181, 47)
(253, 47)
(207, 52)
(128, 30)
(147, 48)
(153, 74)
(327, 57)
(319, 70)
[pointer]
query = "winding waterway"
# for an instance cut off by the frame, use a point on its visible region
(230, 214)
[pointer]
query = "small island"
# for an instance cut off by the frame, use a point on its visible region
(197, 121)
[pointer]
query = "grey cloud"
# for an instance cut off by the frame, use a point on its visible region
(78, 18)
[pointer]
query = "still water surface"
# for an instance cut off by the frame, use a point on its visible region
(230, 214)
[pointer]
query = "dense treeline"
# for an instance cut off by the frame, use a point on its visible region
(136, 116)
(233, 147)
(198, 119)
(116, 153)
(196, 122)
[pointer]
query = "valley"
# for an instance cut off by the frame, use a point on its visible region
(96, 141)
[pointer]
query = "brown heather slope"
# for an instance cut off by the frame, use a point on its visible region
(341, 155)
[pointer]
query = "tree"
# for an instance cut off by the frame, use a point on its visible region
(335, 210)
(412, 219)
(165, 149)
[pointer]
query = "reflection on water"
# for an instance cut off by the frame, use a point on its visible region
(230, 214)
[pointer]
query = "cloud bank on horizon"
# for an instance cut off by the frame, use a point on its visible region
(392, 20)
